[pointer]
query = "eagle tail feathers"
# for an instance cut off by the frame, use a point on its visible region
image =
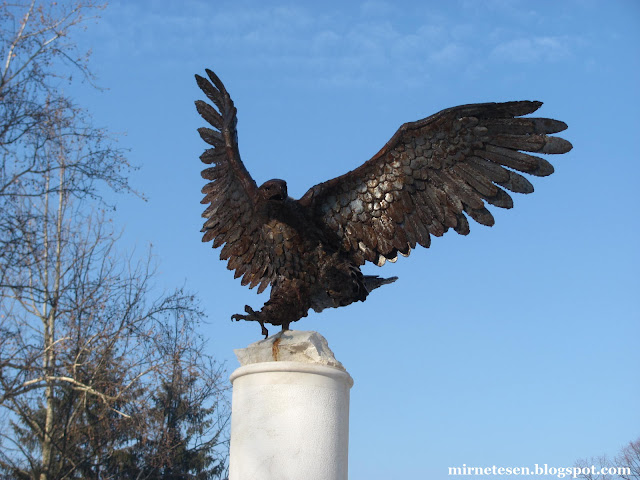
(371, 282)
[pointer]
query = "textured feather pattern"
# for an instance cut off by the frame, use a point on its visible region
(231, 194)
(432, 174)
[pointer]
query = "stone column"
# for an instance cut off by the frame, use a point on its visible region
(290, 410)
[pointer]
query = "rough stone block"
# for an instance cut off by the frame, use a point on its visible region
(290, 346)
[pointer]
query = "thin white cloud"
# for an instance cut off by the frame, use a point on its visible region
(331, 46)
(449, 54)
(533, 50)
(377, 8)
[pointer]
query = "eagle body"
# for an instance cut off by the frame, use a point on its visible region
(310, 269)
(430, 177)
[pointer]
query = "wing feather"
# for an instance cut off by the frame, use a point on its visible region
(433, 174)
(231, 193)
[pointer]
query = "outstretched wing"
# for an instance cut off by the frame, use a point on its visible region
(231, 192)
(431, 173)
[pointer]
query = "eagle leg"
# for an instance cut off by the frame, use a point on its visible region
(252, 316)
(283, 308)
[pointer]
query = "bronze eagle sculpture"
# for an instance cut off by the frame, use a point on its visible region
(428, 178)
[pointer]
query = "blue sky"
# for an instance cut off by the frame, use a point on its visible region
(515, 345)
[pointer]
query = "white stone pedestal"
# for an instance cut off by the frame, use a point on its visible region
(290, 410)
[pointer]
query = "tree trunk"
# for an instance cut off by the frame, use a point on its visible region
(49, 316)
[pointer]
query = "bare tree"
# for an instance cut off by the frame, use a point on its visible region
(591, 468)
(629, 458)
(625, 465)
(38, 59)
(92, 367)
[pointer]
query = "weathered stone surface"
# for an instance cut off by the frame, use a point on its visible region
(290, 346)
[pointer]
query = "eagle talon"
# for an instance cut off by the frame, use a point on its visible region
(252, 316)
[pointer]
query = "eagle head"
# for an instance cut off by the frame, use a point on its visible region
(274, 190)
